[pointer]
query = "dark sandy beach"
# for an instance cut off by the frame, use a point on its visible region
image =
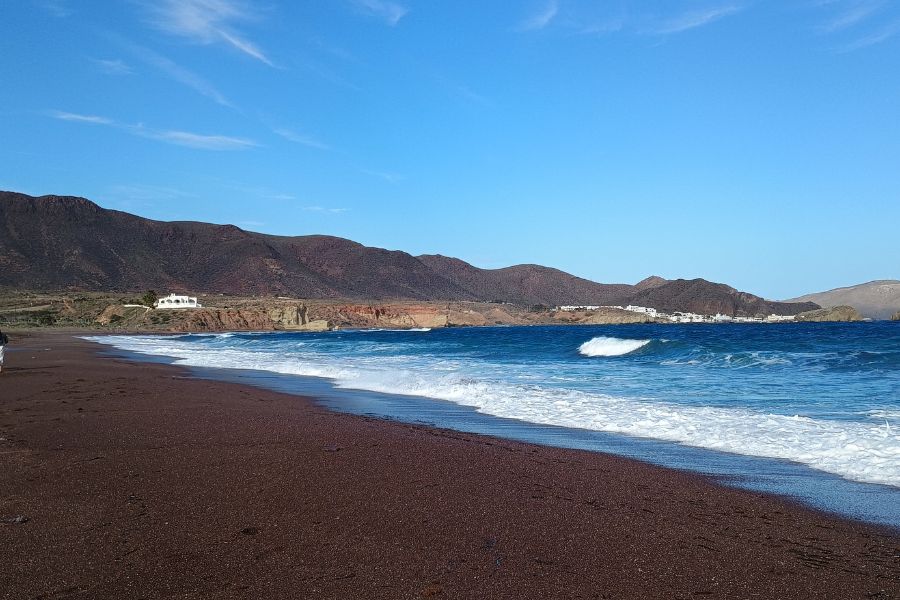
(127, 480)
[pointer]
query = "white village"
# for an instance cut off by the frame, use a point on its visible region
(683, 317)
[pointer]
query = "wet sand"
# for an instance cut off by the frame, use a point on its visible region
(128, 480)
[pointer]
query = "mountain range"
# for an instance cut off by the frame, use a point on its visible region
(875, 299)
(71, 243)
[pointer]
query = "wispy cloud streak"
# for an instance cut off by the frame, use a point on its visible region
(180, 74)
(867, 20)
(300, 138)
(169, 136)
(694, 19)
(882, 35)
(540, 19)
(324, 209)
(207, 22)
(389, 12)
(857, 13)
(144, 192)
(67, 116)
(56, 8)
(112, 67)
(388, 177)
(196, 140)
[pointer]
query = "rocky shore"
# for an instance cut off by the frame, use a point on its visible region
(835, 314)
(125, 313)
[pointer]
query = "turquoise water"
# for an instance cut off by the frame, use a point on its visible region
(824, 398)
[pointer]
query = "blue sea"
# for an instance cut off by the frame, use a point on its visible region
(810, 411)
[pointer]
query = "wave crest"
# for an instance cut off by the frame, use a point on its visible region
(610, 346)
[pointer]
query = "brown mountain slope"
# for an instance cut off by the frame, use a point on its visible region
(57, 242)
(704, 297)
(523, 284)
(650, 282)
(875, 299)
(63, 242)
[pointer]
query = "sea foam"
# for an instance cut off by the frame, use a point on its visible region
(864, 451)
(610, 346)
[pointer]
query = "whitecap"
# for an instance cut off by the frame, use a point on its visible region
(610, 346)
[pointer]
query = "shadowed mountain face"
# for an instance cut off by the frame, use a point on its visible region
(62, 242)
(708, 298)
(524, 284)
(875, 299)
(57, 242)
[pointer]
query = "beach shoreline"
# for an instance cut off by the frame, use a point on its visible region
(138, 480)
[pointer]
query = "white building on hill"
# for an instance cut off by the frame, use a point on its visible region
(173, 301)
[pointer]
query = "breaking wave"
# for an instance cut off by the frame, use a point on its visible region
(610, 346)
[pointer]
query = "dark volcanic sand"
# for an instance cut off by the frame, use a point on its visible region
(139, 482)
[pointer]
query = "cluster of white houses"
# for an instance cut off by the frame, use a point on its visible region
(685, 317)
(175, 301)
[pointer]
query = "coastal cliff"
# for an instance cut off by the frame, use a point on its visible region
(281, 315)
(603, 316)
(837, 314)
(896, 316)
(126, 313)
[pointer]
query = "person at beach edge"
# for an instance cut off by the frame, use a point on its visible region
(3, 342)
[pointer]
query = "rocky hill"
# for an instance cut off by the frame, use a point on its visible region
(831, 314)
(69, 243)
(524, 284)
(874, 300)
(58, 242)
(708, 298)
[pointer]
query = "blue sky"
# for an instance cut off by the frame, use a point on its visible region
(753, 142)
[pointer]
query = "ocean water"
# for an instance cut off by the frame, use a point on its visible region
(809, 402)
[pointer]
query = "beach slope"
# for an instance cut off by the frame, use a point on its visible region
(126, 480)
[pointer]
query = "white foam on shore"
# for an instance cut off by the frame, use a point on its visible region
(862, 451)
(610, 346)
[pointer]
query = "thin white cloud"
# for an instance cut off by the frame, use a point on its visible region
(246, 47)
(542, 18)
(389, 177)
(694, 19)
(880, 36)
(196, 140)
(857, 13)
(208, 22)
(180, 74)
(300, 138)
(55, 8)
(464, 91)
(67, 116)
(604, 27)
(142, 192)
(112, 66)
(179, 138)
(334, 50)
(389, 12)
(324, 209)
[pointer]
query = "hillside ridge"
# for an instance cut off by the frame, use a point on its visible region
(71, 243)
